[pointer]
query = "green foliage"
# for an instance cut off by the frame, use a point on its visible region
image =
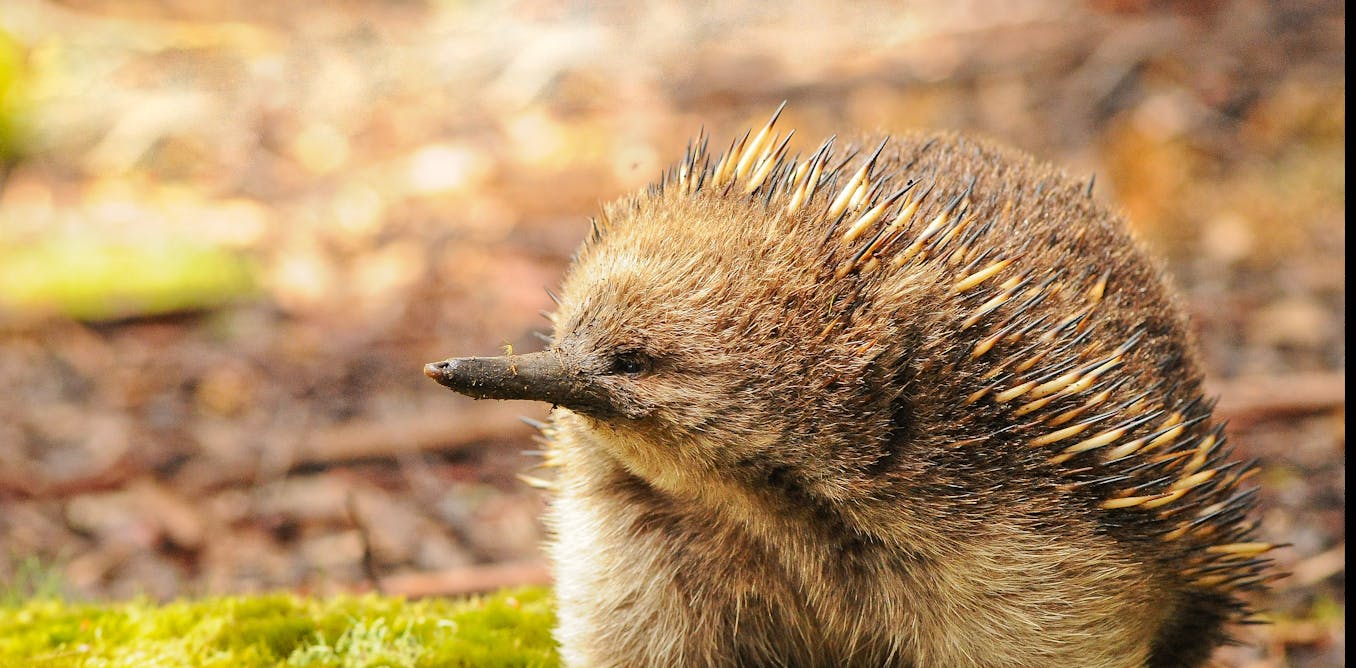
(31, 579)
(510, 628)
(89, 280)
(12, 78)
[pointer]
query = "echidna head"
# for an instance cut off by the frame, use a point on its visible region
(683, 342)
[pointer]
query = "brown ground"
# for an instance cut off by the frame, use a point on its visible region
(408, 176)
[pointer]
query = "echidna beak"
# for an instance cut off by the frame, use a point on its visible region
(539, 376)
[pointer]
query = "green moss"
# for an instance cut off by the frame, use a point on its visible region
(511, 628)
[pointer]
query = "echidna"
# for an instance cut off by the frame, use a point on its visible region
(919, 402)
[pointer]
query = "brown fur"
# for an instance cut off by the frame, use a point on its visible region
(816, 465)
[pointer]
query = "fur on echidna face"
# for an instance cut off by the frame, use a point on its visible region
(908, 339)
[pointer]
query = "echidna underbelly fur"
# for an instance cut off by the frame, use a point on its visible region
(699, 588)
(924, 404)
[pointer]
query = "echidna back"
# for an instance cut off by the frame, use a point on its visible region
(1039, 334)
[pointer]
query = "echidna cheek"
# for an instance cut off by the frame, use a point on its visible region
(649, 455)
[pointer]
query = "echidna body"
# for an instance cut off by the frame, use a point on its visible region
(920, 404)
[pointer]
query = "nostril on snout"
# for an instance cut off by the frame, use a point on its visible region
(435, 369)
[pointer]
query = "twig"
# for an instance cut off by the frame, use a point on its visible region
(1321, 566)
(354, 441)
(27, 484)
(1245, 401)
(369, 560)
(391, 438)
(469, 580)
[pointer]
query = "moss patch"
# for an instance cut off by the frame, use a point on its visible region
(510, 628)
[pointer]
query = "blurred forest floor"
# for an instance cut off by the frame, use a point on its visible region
(231, 234)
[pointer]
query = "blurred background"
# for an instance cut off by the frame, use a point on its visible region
(232, 233)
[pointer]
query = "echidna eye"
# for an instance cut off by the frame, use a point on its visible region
(630, 363)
